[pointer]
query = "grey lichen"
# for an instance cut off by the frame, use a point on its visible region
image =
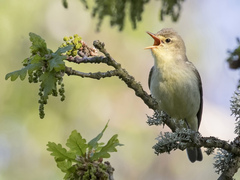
(222, 160)
(180, 139)
(209, 151)
(157, 119)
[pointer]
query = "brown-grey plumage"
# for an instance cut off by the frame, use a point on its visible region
(175, 83)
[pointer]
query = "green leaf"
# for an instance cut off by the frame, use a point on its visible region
(22, 72)
(56, 62)
(36, 63)
(48, 83)
(36, 59)
(109, 147)
(64, 49)
(94, 142)
(76, 143)
(99, 147)
(23, 75)
(70, 173)
(15, 74)
(38, 44)
(59, 152)
(64, 165)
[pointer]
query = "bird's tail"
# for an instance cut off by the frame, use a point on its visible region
(194, 154)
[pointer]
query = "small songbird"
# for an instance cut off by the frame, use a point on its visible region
(175, 83)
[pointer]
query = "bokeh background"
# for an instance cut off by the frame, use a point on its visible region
(209, 29)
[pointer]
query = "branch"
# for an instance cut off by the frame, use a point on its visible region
(231, 169)
(186, 138)
(118, 71)
(98, 75)
(227, 159)
(228, 163)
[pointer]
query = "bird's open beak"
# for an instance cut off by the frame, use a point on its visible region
(157, 41)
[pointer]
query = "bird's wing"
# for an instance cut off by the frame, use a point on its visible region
(199, 113)
(150, 76)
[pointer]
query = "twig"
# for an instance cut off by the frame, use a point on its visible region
(98, 75)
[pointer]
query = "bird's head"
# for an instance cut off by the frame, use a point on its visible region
(167, 43)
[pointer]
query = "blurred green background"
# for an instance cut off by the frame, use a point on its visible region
(209, 29)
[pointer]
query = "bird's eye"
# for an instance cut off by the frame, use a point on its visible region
(168, 40)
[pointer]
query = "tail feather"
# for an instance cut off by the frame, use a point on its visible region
(194, 154)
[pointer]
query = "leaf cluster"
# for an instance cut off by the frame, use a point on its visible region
(235, 108)
(45, 67)
(171, 8)
(84, 160)
(117, 10)
(234, 56)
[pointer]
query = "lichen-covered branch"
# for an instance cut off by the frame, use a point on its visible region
(185, 138)
(227, 164)
(227, 159)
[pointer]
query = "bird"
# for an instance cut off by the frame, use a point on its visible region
(175, 83)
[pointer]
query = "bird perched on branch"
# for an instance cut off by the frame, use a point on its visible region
(175, 83)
